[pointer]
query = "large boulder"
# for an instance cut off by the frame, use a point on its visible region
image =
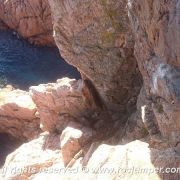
(65, 101)
(30, 19)
(95, 37)
(18, 114)
(73, 138)
(33, 158)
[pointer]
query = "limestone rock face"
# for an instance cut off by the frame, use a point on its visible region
(95, 37)
(30, 19)
(64, 101)
(17, 114)
(156, 30)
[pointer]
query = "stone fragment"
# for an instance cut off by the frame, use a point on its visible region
(17, 114)
(73, 138)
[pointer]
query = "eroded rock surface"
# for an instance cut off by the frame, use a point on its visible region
(124, 159)
(135, 160)
(17, 114)
(3, 26)
(33, 157)
(156, 30)
(65, 101)
(30, 19)
(95, 37)
(73, 138)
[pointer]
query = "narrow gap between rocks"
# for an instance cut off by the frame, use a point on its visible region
(8, 144)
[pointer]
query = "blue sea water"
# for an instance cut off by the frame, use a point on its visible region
(23, 64)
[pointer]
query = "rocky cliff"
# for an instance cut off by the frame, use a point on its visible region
(155, 26)
(103, 121)
(30, 19)
(96, 38)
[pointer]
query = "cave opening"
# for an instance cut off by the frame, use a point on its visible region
(23, 64)
(8, 144)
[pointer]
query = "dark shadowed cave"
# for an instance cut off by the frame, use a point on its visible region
(7, 145)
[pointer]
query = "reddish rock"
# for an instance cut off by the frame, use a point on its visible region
(95, 37)
(30, 19)
(17, 114)
(33, 158)
(65, 101)
(156, 28)
(73, 138)
(3, 26)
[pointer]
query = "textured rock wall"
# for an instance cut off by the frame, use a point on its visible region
(156, 31)
(65, 101)
(28, 160)
(18, 114)
(95, 37)
(3, 26)
(42, 159)
(30, 19)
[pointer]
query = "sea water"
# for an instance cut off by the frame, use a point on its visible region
(23, 64)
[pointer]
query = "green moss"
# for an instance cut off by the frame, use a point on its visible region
(123, 58)
(79, 5)
(160, 108)
(145, 131)
(101, 46)
(84, 41)
(103, 2)
(112, 14)
(108, 37)
(90, 46)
